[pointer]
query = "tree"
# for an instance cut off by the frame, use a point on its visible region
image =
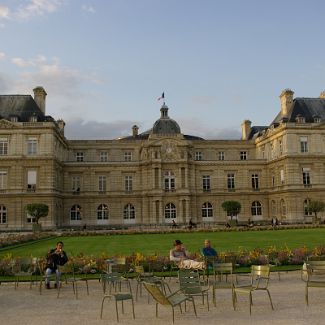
(315, 207)
(232, 208)
(37, 210)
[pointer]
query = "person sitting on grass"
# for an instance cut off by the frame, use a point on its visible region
(180, 256)
(55, 257)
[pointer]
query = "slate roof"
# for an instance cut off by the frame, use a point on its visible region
(21, 106)
(305, 107)
(309, 108)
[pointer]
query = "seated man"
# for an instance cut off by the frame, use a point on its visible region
(209, 253)
(180, 255)
(55, 257)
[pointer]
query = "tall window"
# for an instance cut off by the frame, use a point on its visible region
(273, 208)
(79, 156)
(31, 180)
(207, 211)
(75, 212)
(231, 182)
(303, 144)
(102, 212)
(283, 208)
(306, 177)
(280, 147)
(30, 219)
(243, 155)
(206, 183)
(221, 155)
(255, 181)
(282, 179)
(76, 184)
(307, 212)
(3, 180)
(198, 155)
(129, 212)
(3, 146)
(3, 214)
(127, 156)
(103, 156)
(169, 181)
(128, 183)
(32, 146)
(170, 211)
(256, 208)
(102, 183)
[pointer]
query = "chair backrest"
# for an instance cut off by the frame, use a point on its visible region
(189, 281)
(156, 293)
(260, 276)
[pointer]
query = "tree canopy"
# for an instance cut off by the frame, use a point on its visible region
(37, 210)
(231, 207)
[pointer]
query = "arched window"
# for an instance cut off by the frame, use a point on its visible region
(207, 210)
(170, 211)
(3, 214)
(307, 212)
(102, 212)
(256, 208)
(75, 212)
(169, 181)
(129, 212)
(283, 208)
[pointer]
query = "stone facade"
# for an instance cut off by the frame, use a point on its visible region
(160, 175)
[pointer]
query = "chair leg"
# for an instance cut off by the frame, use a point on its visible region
(116, 310)
(133, 308)
(157, 309)
(250, 302)
(268, 292)
(87, 287)
(306, 295)
(173, 315)
(234, 299)
(194, 306)
(214, 296)
(101, 310)
(76, 289)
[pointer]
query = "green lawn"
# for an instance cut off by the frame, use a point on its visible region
(161, 243)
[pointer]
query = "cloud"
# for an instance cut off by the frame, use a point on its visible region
(20, 62)
(2, 56)
(38, 8)
(88, 8)
(80, 129)
(4, 12)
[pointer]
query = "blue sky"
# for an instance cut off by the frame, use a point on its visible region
(104, 63)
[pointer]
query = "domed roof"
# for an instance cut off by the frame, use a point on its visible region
(165, 125)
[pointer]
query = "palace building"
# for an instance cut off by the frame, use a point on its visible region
(160, 175)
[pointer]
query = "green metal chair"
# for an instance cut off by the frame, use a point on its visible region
(223, 278)
(24, 269)
(315, 276)
(172, 300)
(118, 296)
(259, 280)
(191, 285)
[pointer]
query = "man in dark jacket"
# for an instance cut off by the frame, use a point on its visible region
(55, 257)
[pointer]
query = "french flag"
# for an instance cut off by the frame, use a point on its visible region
(162, 96)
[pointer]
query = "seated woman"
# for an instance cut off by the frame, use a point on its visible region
(180, 255)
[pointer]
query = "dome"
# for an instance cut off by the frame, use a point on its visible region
(165, 125)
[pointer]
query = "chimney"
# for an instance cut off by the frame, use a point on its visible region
(135, 130)
(286, 99)
(322, 95)
(39, 97)
(246, 129)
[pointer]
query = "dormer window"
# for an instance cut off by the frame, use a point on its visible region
(14, 118)
(300, 119)
(317, 119)
(33, 118)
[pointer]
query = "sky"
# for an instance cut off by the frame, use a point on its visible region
(104, 63)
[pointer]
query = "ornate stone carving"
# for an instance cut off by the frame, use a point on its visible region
(4, 124)
(169, 150)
